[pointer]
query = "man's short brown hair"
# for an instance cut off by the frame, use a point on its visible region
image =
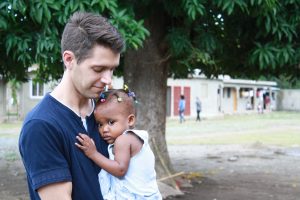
(85, 30)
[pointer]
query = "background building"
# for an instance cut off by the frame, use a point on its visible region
(218, 96)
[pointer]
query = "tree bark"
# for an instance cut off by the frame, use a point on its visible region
(146, 73)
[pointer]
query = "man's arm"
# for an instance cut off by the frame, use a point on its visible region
(55, 191)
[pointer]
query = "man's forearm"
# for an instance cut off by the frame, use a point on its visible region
(55, 191)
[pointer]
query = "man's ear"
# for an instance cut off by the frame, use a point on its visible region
(131, 120)
(69, 59)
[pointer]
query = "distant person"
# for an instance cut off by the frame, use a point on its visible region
(267, 102)
(55, 168)
(129, 172)
(198, 108)
(248, 106)
(181, 108)
(260, 108)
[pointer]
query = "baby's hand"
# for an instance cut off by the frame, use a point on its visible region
(87, 144)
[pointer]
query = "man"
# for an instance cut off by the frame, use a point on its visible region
(181, 108)
(56, 168)
(198, 108)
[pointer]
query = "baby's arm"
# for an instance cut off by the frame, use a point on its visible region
(117, 167)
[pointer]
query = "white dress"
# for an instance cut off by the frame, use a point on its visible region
(139, 182)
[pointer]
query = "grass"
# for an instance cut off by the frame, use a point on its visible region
(11, 156)
(276, 128)
(10, 129)
(10, 125)
(9, 134)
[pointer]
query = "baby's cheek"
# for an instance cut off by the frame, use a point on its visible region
(100, 133)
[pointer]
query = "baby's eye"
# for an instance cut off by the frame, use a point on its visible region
(99, 125)
(111, 122)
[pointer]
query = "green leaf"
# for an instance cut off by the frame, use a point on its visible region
(193, 8)
(54, 5)
(47, 13)
(268, 24)
(3, 23)
(39, 15)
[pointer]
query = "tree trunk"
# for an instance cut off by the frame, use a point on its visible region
(146, 73)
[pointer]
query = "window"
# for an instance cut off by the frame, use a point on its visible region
(36, 89)
(246, 93)
(228, 92)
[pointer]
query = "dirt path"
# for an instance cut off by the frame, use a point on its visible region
(12, 181)
(228, 172)
(234, 172)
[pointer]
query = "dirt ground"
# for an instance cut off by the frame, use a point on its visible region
(220, 172)
(235, 172)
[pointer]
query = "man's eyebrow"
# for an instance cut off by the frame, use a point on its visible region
(104, 66)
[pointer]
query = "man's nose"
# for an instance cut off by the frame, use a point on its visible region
(106, 77)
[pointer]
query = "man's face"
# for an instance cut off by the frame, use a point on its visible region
(94, 73)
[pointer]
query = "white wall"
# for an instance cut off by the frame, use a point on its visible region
(213, 104)
(289, 99)
(227, 102)
(26, 102)
(117, 82)
(206, 90)
(242, 102)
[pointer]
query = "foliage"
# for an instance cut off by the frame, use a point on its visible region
(15, 85)
(30, 33)
(245, 39)
(285, 82)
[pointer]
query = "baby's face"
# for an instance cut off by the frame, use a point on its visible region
(112, 122)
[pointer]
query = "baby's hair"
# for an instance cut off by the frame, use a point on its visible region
(120, 96)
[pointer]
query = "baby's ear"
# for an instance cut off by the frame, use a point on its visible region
(131, 120)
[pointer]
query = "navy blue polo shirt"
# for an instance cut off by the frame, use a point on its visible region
(47, 147)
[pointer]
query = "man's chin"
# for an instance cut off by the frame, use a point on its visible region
(95, 95)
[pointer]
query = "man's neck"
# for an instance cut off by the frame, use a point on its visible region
(68, 96)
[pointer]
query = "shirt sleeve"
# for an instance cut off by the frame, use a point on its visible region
(43, 153)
